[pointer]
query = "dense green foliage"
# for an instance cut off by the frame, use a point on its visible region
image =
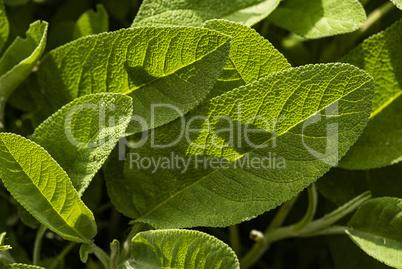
(200, 134)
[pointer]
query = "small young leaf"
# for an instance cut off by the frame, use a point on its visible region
(39, 184)
(376, 229)
(195, 13)
(381, 142)
(180, 249)
(4, 26)
(92, 22)
(85, 250)
(20, 57)
(175, 66)
(304, 120)
(20, 266)
(81, 135)
(251, 57)
(2, 246)
(316, 19)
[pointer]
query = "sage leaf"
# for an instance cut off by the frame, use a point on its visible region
(180, 249)
(81, 135)
(251, 57)
(304, 120)
(381, 142)
(397, 3)
(40, 185)
(172, 66)
(20, 58)
(2, 246)
(20, 266)
(376, 229)
(5, 27)
(195, 13)
(317, 19)
(91, 22)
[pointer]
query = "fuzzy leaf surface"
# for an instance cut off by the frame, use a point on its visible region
(81, 135)
(251, 57)
(175, 66)
(40, 185)
(5, 27)
(381, 142)
(376, 229)
(317, 19)
(304, 119)
(21, 56)
(195, 13)
(180, 249)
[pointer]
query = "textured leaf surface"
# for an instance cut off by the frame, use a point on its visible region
(92, 22)
(39, 184)
(397, 3)
(381, 141)
(175, 66)
(317, 19)
(306, 118)
(376, 228)
(180, 249)
(20, 266)
(5, 27)
(195, 13)
(251, 57)
(81, 135)
(21, 56)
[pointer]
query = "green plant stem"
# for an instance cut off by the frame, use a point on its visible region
(375, 16)
(314, 228)
(282, 214)
(312, 207)
(38, 244)
(61, 255)
(125, 254)
(101, 255)
(234, 239)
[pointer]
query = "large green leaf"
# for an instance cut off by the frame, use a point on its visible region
(195, 13)
(175, 66)
(4, 28)
(180, 249)
(381, 141)
(39, 184)
(251, 57)
(286, 135)
(376, 229)
(319, 18)
(20, 58)
(81, 135)
(92, 22)
(398, 3)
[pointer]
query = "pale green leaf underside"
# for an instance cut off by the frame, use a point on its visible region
(81, 135)
(4, 26)
(303, 150)
(376, 228)
(397, 3)
(316, 19)
(39, 184)
(21, 56)
(251, 57)
(381, 142)
(175, 65)
(195, 13)
(20, 266)
(92, 22)
(167, 249)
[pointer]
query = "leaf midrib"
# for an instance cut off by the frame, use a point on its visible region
(45, 198)
(241, 156)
